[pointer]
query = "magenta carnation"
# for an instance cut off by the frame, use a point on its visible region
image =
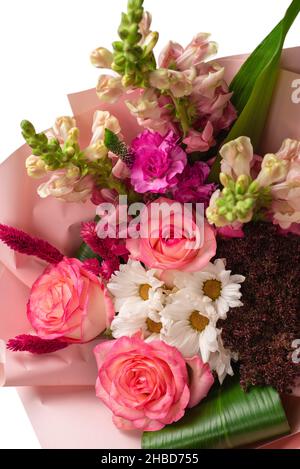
(191, 187)
(158, 160)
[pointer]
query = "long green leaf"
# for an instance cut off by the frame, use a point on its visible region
(254, 84)
(228, 418)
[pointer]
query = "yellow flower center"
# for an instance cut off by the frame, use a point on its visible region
(198, 321)
(144, 291)
(212, 289)
(153, 327)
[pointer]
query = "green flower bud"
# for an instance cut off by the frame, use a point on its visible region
(224, 179)
(242, 184)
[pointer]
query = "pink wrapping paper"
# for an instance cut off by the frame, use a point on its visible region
(62, 392)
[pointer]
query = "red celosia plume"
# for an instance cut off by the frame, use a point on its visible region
(22, 242)
(35, 345)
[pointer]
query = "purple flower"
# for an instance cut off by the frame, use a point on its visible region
(191, 185)
(158, 160)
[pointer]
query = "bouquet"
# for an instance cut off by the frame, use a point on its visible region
(178, 273)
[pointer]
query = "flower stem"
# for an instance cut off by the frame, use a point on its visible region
(181, 114)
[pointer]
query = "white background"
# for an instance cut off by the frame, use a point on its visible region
(44, 53)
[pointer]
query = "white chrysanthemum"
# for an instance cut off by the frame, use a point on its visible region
(194, 332)
(220, 361)
(136, 290)
(128, 324)
(215, 285)
(190, 330)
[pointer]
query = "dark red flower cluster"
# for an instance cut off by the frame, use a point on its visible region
(110, 250)
(262, 331)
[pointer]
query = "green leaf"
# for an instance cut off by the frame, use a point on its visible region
(228, 418)
(85, 252)
(254, 85)
(49, 151)
(115, 145)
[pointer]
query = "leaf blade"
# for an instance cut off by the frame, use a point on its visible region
(254, 85)
(228, 418)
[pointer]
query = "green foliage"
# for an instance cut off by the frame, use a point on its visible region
(228, 418)
(115, 145)
(49, 151)
(239, 201)
(133, 60)
(254, 85)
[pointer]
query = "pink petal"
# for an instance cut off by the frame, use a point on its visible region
(201, 380)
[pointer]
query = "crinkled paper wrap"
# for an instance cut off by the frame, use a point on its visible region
(57, 389)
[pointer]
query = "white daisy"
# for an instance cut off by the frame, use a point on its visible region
(136, 290)
(215, 285)
(190, 330)
(128, 324)
(194, 331)
(220, 361)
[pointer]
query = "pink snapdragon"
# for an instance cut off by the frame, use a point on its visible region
(200, 141)
(175, 56)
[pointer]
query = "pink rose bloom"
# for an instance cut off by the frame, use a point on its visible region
(171, 239)
(157, 162)
(146, 385)
(67, 301)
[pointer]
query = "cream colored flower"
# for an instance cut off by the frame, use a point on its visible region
(62, 127)
(273, 170)
(147, 110)
(212, 212)
(101, 58)
(96, 152)
(35, 167)
(145, 106)
(236, 157)
(103, 120)
(67, 185)
(109, 88)
(179, 83)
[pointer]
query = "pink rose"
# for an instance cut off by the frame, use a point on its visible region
(146, 385)
(67, 301)
(172, 241)
(201, 380)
